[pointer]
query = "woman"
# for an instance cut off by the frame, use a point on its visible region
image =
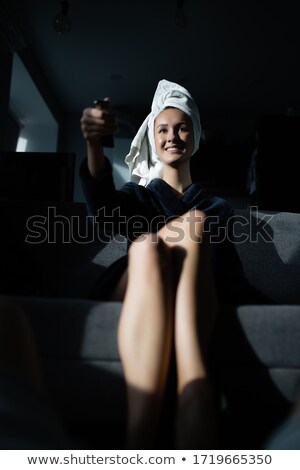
(168, 289)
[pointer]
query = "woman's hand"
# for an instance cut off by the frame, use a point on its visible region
(95, 123)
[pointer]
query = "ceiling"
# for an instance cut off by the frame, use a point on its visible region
(235, 56)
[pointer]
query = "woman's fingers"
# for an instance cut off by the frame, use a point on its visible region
(96, 123)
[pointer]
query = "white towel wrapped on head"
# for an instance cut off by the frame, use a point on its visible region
(144, 164)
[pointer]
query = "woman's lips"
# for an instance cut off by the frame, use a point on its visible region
(173, 149)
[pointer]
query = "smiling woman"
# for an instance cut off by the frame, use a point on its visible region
(167, 282)
(143, 160)
(174, 143)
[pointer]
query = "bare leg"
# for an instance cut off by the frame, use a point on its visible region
(145, 332)
(195, 309)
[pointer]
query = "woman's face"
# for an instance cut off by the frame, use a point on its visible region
(173, 136)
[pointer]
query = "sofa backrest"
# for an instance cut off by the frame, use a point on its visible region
(268, 246)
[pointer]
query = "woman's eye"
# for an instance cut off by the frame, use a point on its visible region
(162, 130)
(183, 129)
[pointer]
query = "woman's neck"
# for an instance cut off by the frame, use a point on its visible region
(179, 178)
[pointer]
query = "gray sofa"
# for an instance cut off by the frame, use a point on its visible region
(255, 356)
(257, 344)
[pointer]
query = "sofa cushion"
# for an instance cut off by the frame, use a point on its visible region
(268, 246)
(268, 335)
(77, 342)
(81, 369)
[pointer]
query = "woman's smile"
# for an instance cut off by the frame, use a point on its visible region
(173, 149)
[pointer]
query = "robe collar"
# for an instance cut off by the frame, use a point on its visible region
(168, 199)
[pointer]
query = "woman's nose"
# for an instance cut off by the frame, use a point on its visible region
(171, 135)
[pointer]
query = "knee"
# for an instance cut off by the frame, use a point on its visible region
(144, 251)
(196, 217)
(188, 227)
(193, 225)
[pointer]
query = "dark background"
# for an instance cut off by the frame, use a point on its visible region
(239, 59)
